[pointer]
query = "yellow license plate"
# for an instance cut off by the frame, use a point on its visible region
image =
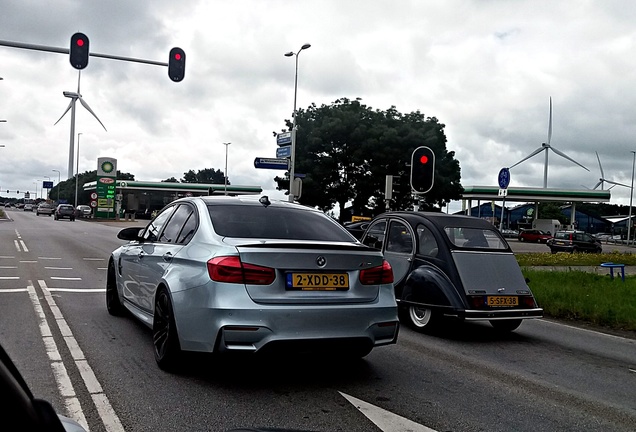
(318, 281)
(497, 301)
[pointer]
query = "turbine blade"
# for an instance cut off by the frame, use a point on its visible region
(67, 108)
(550, 123)
(85, 105)
(537, 151)
(617, 184)
(599, 165)
(597, 185)
(563, 155)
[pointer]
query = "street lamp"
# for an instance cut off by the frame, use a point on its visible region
(631, 196)
(58, 185)
(77, 167)
(293, 143)
(226, 147)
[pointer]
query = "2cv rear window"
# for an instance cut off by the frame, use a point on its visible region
(475, 238)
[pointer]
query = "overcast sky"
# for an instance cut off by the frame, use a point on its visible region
(485, 68)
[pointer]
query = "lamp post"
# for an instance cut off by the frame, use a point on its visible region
(226, 147)
(36, 189)
(58, 185)
(77, 167)
(293, 143)
(631, 196)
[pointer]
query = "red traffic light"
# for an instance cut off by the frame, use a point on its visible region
(424, 159)
(422, 170)
(176, 64)
(78, 54)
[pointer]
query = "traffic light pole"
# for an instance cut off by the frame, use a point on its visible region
(67, 51)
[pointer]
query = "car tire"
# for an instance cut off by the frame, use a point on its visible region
(165, 339)
(421, 319)
(521, 239)
(505, 325)
(113, 302)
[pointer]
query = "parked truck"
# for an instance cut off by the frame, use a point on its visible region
(547, 225)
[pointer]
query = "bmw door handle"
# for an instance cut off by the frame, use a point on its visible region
(167, 257)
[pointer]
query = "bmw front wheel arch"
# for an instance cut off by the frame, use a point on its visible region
(113, 303)
(165, 338)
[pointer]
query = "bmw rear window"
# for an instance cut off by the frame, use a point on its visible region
(270, 222)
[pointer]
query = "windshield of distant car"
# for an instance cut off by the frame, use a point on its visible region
(262, 222)
(475, 238)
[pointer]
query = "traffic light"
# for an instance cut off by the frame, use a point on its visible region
(78, 54)
(422, 170)
(176, 64)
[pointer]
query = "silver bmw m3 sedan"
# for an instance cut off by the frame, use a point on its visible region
(246, 274)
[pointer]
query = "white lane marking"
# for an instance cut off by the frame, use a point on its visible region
(632, 370)
(66, 278)
(9, 277)
(49, 258)
(59, 268)
(8, 267)
(94, 259)
(24, 248)
(78, 290)
(64, 384)
(27, 262)
(6, 257)
(583, 329)
(17, 234)
(104, 408)
(385, 420)
(102, 268)
(17, 245)
(14, 290)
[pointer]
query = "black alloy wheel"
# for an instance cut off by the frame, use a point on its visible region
(164, 333)
(113, 303)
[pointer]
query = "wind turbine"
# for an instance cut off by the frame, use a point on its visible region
(603, 180)
(546, 147)
(71, 106)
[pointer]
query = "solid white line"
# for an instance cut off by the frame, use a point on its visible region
(104, 408)
(59, 268)
(583, 329)
(9, 277)
(27, 262)
(6, 257)
(49, 258)
(78, 290)
(66, 278)
(24, 248)
(14, 290)
(385, 420)
(8, 267)
(102, 268)
(64, 384)
(94, 259)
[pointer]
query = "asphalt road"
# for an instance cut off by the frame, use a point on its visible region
(544, 376)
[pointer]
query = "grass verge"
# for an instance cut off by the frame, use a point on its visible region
(579, 259)
(586, 297)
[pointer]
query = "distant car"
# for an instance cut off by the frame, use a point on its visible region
(510, 233)
(357, 228)
(83, 211)
(28, 207)
(533, 236)
(574, 241)
(247, 275)
(451, 266)
(44, 209)
(64, 211)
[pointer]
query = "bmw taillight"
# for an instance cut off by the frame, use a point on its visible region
(377, 275)
(230, 269)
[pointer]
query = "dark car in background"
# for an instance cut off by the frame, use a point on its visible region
(451, 266)
(534, 236)
(64, 211)
(574, 241)
(357, 228)
(44, 209)
(83, 211)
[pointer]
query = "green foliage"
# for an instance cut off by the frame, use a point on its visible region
(552, 210)
(587, 297)
(206, 175)
(170, 180)
(347, 149)
(570, 260)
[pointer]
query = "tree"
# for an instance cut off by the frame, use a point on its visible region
(346, 149)
(207, 175)
(67, 187)
(170, 180)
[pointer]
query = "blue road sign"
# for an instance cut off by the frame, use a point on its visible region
(284, 138)
(504, 178)
(283, 152)
(47, 184)
(271, 163)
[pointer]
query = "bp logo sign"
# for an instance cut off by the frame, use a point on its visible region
(108, 167)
